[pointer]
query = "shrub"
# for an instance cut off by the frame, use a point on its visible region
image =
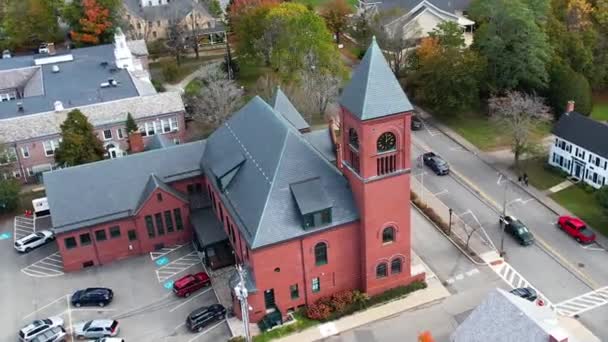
(566, 84)
(170, 71)
(9, 195)
(602, 197)
(157, 48)
(396, 292)
(318, 311)
(237, 339)
(158, 85)
(587, 188)
(341, 300)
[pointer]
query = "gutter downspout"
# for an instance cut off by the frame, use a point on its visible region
(304, 272)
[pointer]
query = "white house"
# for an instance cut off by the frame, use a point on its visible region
(417, 18)
(581, 148)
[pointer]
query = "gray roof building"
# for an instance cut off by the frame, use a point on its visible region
(159, 141)
(283, 106)
(406, 5)
(505, 317)
(584, 132)
(72, 78)
(373, 91)
(85, 195)
(168, 10)
(321, 140)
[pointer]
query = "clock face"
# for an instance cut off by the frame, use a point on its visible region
(353, 138)
(386, 142)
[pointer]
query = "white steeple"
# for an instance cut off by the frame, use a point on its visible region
(122, 53)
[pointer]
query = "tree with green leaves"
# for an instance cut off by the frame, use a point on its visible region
(446, 77)
(30, 22)
(9, 195)
(565, 85)
(335, 13)
(80, 144)
(602, 197)
(130, 124)
(515, 46)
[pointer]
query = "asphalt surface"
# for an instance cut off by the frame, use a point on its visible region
(145, 308)
(556, 264)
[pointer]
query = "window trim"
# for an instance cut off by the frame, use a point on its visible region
(321, 258)
(382, 266)
(132, 234)
(103, 133)
(160, 226)
(317, 288)
(392, 231)
(394, 262)
(88, 236)
(25, 152)
(70, 238)
(100, 235)
(115, 232)
(294, 291)
(169, 221)
(150, 226)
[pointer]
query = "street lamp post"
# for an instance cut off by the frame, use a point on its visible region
(450, 224)
(241, 293)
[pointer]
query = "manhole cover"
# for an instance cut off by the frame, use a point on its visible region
(581, 265)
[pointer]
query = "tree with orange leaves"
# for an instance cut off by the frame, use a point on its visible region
(94, 23)
(425, 336)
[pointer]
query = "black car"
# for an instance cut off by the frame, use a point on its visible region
(97, 296)
(200, 318)
(525, 293)
(517, 229)
(416, 123)
(435, 163)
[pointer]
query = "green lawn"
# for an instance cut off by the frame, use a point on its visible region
(302, 323)
(188, 66)
(193, 87)
(483, 132)
(541, 175)
(600, 111)
(585, 206)
(249, 73)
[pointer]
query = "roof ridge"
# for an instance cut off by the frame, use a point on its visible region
(373, 45)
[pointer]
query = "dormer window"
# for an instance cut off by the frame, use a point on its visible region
(313, 203)
(226, 169)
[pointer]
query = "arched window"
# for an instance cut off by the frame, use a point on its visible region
(386, 142)
(381, 270)
(353, 138)
(321, 253)
(388, 235)
(396, 266)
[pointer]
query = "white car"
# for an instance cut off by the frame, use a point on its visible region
(38, 327)
(6, 54)
(96, 328)
(43, 48)
(27, 243)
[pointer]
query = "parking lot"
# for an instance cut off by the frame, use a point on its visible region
(35, 286)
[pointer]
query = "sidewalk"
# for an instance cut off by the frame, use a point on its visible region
(434, 292)
(201, 71)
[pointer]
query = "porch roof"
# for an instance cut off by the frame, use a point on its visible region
(208, 229)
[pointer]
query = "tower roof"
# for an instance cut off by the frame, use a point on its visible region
(373, 91)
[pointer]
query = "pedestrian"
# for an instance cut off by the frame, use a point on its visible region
(526, 179)
(519, 179)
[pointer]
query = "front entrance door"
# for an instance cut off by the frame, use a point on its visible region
(577, 170)
(269, 300)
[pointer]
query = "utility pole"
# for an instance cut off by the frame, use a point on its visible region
(228, 58)
(450, 224)
(502, 223)
(241, 293)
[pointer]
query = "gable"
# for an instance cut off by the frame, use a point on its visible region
(584, 132)
(152, 204)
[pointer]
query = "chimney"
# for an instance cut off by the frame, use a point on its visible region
(136, 142)
(570, 106)
(58, 106)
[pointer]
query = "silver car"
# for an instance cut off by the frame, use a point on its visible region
(38, 327)
(27, 243)
(56, 334)
(96, 328)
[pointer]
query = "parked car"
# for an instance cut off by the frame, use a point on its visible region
(525, 293)
(39, 326)
(98, 296)
(56, 334)
(34, 240)
(43, 48)
(185, 285)
(416, 123)
(517, 229)
(6, 54)
(110, 339)
(200, 318)
(96, 328)
(576, 228)
(436, 163)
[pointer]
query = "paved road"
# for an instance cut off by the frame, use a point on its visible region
(556, 265)
(468, 289)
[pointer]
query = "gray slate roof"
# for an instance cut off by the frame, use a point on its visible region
(276, 156)
(138, 47)
(310, 196)
(208, 229)
(159, 141)
(48, 123)
(446, 5)
(155, 183)
(504, 317)
(76, 84)
(174, 9)
(584, 132)
(321, 141)
(283, 106)
(373, 91)
(86, 195)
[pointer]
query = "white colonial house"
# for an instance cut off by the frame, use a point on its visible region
(581, 148)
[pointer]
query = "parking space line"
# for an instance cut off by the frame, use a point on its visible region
(45, 306)
(50, 266)
(206, 331)
(188, 300)
(164, 251)
(169, 270)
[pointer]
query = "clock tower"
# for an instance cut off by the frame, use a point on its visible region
(375, 154)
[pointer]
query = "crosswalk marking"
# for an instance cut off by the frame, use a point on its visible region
(164, 251)
(583, 303)
(23, 226)
(514, 279)
(169, 270)
(461, 276)
(51, 266)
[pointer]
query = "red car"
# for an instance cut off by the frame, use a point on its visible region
(185, 285)
(576, 228)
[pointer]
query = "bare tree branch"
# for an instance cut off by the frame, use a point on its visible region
(519, 113)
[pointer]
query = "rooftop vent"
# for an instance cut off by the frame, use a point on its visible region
(58, 106)
(55, 68)
(54, 59)
(103, 64)
(20, 107)
(111, 83)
